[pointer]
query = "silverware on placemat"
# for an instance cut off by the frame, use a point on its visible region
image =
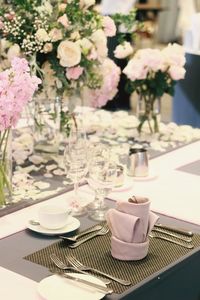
(77, 264)
(61, 265)
(185, 245)
(104, 230)
(174, 229)
(96, 286)
(180, 237)
(75, 237)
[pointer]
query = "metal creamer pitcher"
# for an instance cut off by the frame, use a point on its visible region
(137, 162)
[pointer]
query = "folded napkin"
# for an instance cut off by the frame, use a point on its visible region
(130, 223)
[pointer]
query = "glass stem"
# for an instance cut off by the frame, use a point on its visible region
(76, 186)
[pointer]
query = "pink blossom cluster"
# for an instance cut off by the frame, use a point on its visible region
(111, 76)
(148, 61)
(17, 87)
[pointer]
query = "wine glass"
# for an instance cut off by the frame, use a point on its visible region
(101, 178)
(97, 151)
(75, 161)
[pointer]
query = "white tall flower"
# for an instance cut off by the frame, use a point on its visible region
(123, 50)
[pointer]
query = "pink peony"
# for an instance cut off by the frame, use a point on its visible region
(74, 72)
(176, 72)
(109, 26)
(135, 70)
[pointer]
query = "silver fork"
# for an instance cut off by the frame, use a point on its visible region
(189, 246)
(104, 230)
(78, 265)
(61, 265)
(75, 237)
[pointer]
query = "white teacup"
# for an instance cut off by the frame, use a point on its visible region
(53, 216)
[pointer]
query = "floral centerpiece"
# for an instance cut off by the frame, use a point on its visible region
(17, 87)
(66, 45)
(151, 73)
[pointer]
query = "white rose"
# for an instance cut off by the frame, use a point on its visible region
(69, 54)
(42, 35)
(13, 51)
(123, 50)
(100, 41)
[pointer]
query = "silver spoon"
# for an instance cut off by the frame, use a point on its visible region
(34, 222)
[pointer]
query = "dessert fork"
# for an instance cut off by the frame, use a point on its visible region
(61, 265)
(104, 230)
(78, 265)
(75, 237)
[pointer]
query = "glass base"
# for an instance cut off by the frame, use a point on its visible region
(93, 206)
(98, 215)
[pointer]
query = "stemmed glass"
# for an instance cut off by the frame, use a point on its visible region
(75, 161)
(101, 178)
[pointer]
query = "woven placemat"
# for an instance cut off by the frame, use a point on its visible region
(96, 253)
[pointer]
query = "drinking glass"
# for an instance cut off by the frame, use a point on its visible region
(75, 161)
(101, 178)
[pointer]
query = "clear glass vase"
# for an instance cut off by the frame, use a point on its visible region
(5, 167)
(47, 125)
(148, 111)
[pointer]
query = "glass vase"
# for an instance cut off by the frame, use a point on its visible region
(148, 111)
(47, 125)
(5, 167)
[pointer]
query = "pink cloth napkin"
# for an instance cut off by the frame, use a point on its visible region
(130, 223)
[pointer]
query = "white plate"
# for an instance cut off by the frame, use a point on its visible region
(56, 287)
(72, 225)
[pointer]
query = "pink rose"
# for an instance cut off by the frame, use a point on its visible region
(74, 73)
(109, 26)
(176, 72)
(64, 20)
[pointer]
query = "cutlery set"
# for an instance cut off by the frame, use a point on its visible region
(182, 237)
(167, 233)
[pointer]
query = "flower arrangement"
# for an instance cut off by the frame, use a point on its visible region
(64, 41)
(17, 87)
(153, 72)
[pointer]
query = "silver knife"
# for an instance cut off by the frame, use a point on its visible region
(96, 286)
(177, 230)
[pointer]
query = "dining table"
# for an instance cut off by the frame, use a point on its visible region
(168, 272)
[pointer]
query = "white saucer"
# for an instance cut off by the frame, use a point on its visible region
(125, 187)
(72, 225)
(152, 175)
(56, 287)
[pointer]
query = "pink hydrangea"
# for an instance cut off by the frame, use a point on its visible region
(111, 76)
(17, 87)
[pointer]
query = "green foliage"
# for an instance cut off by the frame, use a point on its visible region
(155, 84)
